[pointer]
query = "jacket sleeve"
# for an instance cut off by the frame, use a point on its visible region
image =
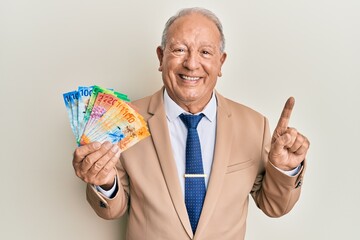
(111, 208)
(274, 192)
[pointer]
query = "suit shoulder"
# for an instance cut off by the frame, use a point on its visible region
(142, 102)
(141, 105)
(146, 101)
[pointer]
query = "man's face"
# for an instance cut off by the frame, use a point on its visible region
(191, 61)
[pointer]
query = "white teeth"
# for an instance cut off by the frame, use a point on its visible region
(190, 78)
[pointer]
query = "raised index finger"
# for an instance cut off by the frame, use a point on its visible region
(285, 115)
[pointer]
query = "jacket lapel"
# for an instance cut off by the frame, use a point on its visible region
(220, 162)
(160, 134)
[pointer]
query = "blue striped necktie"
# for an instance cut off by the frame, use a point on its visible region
(194, 172)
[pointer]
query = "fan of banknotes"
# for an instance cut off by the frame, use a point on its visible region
(100, 114)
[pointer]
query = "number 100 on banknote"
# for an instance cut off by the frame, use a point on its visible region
(100, 114)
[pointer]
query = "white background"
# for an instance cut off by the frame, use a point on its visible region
(307, 49)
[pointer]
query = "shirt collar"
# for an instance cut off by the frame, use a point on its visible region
(173, 110)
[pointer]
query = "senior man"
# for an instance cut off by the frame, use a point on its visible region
(191, 179)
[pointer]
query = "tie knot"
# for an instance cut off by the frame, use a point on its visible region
(191, 121)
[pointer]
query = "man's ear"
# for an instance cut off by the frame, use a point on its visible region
(160, 54)
(222, 60)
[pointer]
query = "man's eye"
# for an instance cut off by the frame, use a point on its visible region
(206, 53)
(179, 51)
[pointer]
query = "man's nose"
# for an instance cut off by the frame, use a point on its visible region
(191, 61)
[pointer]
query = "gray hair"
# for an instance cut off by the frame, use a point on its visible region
(187, 11)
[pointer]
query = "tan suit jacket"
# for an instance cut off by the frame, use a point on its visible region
(150, 190)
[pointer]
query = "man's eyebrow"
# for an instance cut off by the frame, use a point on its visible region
(173, 43)
(176, 43)
(208, 45)
(212, 46)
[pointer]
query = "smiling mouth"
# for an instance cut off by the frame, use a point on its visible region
(188, 78)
